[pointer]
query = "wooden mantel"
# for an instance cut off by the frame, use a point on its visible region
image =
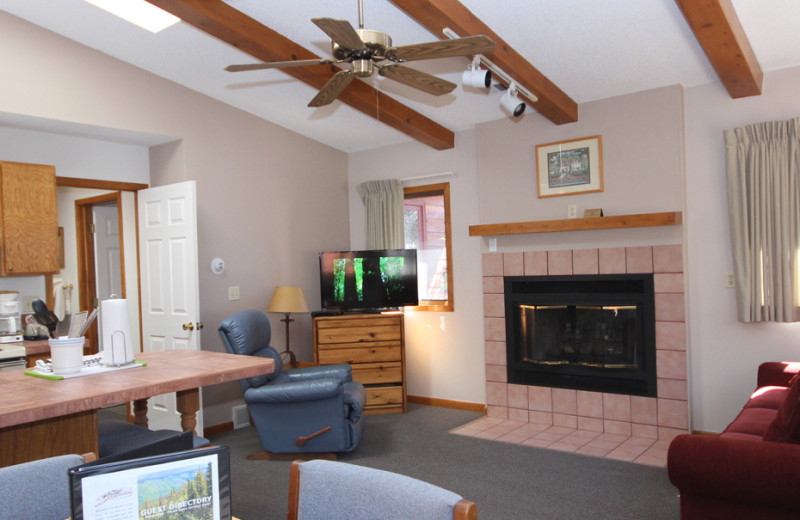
(667, 218)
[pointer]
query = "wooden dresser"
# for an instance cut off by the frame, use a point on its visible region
(373, 344)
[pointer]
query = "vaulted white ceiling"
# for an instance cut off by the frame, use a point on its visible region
(591, 50)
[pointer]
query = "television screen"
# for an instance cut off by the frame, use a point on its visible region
(368, 280)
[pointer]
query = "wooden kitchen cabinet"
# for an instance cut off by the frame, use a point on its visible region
(29, 220)
(373, 345)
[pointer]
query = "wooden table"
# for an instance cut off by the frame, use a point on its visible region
(42, 418)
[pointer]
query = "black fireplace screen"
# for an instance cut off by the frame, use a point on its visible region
(582, 332)
(586, 335)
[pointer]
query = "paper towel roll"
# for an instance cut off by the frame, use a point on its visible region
(117, 343)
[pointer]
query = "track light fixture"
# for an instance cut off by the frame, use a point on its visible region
(511, 103)
(475, 76)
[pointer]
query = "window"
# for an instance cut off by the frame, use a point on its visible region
(426, 214)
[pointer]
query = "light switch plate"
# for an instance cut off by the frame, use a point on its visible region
(572, 211)
(730, 280)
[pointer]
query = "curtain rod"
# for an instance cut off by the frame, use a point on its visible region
(428, 176)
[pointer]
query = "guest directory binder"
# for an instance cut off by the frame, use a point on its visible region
(185, 484)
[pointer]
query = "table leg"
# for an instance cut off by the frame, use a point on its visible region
(188, 403)
(140, 412)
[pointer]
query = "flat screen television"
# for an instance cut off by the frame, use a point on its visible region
(363, 281)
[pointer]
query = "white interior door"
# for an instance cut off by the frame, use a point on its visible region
(169, 280)
(107, 263)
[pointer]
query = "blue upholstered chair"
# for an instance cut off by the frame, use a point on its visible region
(306, 410)
(327, 490)
(38, 489)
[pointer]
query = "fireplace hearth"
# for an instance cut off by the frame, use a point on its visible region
(583, 332)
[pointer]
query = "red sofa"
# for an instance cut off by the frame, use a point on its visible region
(752, 469)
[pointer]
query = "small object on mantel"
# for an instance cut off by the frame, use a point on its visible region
(593, 213)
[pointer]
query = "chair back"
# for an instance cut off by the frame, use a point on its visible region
(321, 489)
(248, 333)
(37, 489)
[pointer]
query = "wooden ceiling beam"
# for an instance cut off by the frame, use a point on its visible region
(231, 26)
(718, 30)
(435, 15)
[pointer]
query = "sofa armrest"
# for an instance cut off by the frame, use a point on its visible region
(313, 390)
(342, 372)
(741, 471)
(776, 373)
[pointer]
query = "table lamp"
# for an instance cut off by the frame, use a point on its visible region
(288, 300)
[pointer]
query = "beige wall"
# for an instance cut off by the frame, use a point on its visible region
(495, 181)
(268, 199)
(725, 353)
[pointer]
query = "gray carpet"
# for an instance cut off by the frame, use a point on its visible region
(506, 481)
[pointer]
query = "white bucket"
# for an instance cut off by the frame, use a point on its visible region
(66, 355)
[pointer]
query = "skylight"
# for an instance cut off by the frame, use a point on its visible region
(138, 12)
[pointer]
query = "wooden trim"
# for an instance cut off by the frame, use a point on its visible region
(210, 431)
(720, 33)
(448, 403)
(231, 26)
(94, 184)
(294, 490)
(554, 104)
(667, 218)
(443, 189)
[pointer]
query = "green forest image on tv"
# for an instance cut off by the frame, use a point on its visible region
(184, 493)
(353, 278)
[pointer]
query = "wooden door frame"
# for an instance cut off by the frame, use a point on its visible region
(86, 281)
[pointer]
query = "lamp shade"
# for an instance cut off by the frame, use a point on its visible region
(288, 300)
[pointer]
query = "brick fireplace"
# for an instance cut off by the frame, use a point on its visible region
(660, 417)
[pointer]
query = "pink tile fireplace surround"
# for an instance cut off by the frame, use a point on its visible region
(662, 417)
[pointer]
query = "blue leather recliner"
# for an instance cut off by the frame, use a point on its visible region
(305, 410)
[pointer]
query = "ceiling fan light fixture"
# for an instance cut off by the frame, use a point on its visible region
(511, 103)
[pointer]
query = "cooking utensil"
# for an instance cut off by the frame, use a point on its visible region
(89, 321)
(45, 316)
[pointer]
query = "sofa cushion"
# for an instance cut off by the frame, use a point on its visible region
(752, 421)
(786, 425)
(771, 397)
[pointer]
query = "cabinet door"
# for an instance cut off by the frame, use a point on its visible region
(29, 219)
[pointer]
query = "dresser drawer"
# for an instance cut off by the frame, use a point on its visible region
(377, 373)
(358, 354)
(384, 395)
(352, 331)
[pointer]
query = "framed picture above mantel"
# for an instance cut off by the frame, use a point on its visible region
(570, 167)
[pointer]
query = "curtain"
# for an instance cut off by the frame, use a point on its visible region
(763, 170)
(383, 204)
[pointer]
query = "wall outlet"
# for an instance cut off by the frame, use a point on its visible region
(572, 211)
(492, 245)
(233, 293)
(730, 280)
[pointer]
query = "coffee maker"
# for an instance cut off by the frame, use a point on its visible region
(10, 318)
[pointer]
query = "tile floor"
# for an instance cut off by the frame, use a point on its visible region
(652, 452)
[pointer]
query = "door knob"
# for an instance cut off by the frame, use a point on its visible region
(188, 326)
(199, 325)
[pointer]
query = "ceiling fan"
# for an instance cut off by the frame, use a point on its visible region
(366, 49)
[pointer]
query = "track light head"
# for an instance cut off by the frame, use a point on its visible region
(511, 103)
(477, 77)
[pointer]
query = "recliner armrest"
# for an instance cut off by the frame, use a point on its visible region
(342, 372)
(312, 390)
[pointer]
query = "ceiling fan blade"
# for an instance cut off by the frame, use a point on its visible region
(332, 89)
(419, 80)
(341, 32)
(443, 49)
(277, 65)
